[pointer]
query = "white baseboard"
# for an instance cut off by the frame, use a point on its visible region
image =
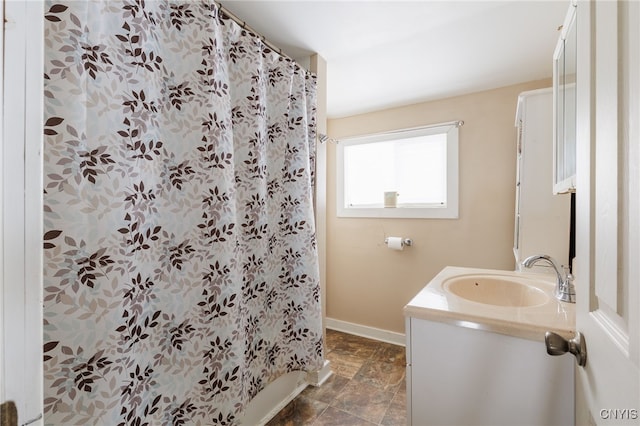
(317, 378)
(366, 331)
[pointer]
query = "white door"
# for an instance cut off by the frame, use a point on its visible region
(21, 91)
(607, 261)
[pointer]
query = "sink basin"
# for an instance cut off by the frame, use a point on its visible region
(496, 290)
(514, 303)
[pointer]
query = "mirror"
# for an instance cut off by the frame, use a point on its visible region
(564, 95)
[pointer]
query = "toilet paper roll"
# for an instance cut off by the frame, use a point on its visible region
(395, 243)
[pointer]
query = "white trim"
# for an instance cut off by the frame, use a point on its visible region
(2, 201)
(33, 211)
(13, 200)
(633, 230)
(366, 331)
(450, 211)
(612, 325)
(317, 378)
(273, 398)
(22, 208)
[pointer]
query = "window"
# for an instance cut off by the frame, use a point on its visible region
(404, 174)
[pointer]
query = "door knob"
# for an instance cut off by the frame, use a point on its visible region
(9, 413)
(558, 345)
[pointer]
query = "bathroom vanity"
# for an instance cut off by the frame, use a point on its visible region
(476, 353)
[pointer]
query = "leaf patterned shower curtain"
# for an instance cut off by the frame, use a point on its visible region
(181, 271)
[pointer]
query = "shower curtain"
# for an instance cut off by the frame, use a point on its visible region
(181, 271)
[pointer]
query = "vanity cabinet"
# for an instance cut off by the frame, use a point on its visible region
(464, 376)
(542, 219)
(482, 360)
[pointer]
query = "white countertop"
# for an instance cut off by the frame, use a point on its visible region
(435, 303)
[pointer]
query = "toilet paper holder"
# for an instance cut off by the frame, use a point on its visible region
(405, 241)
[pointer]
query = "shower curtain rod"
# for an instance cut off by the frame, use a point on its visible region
(245, 26)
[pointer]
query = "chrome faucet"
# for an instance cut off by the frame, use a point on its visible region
(565, 290)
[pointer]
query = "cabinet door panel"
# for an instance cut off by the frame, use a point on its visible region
(465, 376)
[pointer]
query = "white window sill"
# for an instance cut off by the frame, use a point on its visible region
(450, 212)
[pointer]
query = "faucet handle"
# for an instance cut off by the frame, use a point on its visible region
(566, 291)
(567, 279)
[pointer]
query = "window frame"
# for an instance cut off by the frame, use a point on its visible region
(450, 211)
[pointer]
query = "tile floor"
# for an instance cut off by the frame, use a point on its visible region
(367, 387)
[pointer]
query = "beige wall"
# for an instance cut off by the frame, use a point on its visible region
(368, 284)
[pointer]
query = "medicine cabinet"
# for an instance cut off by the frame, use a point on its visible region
(564, 106)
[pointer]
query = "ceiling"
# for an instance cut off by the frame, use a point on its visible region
(383, 54)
